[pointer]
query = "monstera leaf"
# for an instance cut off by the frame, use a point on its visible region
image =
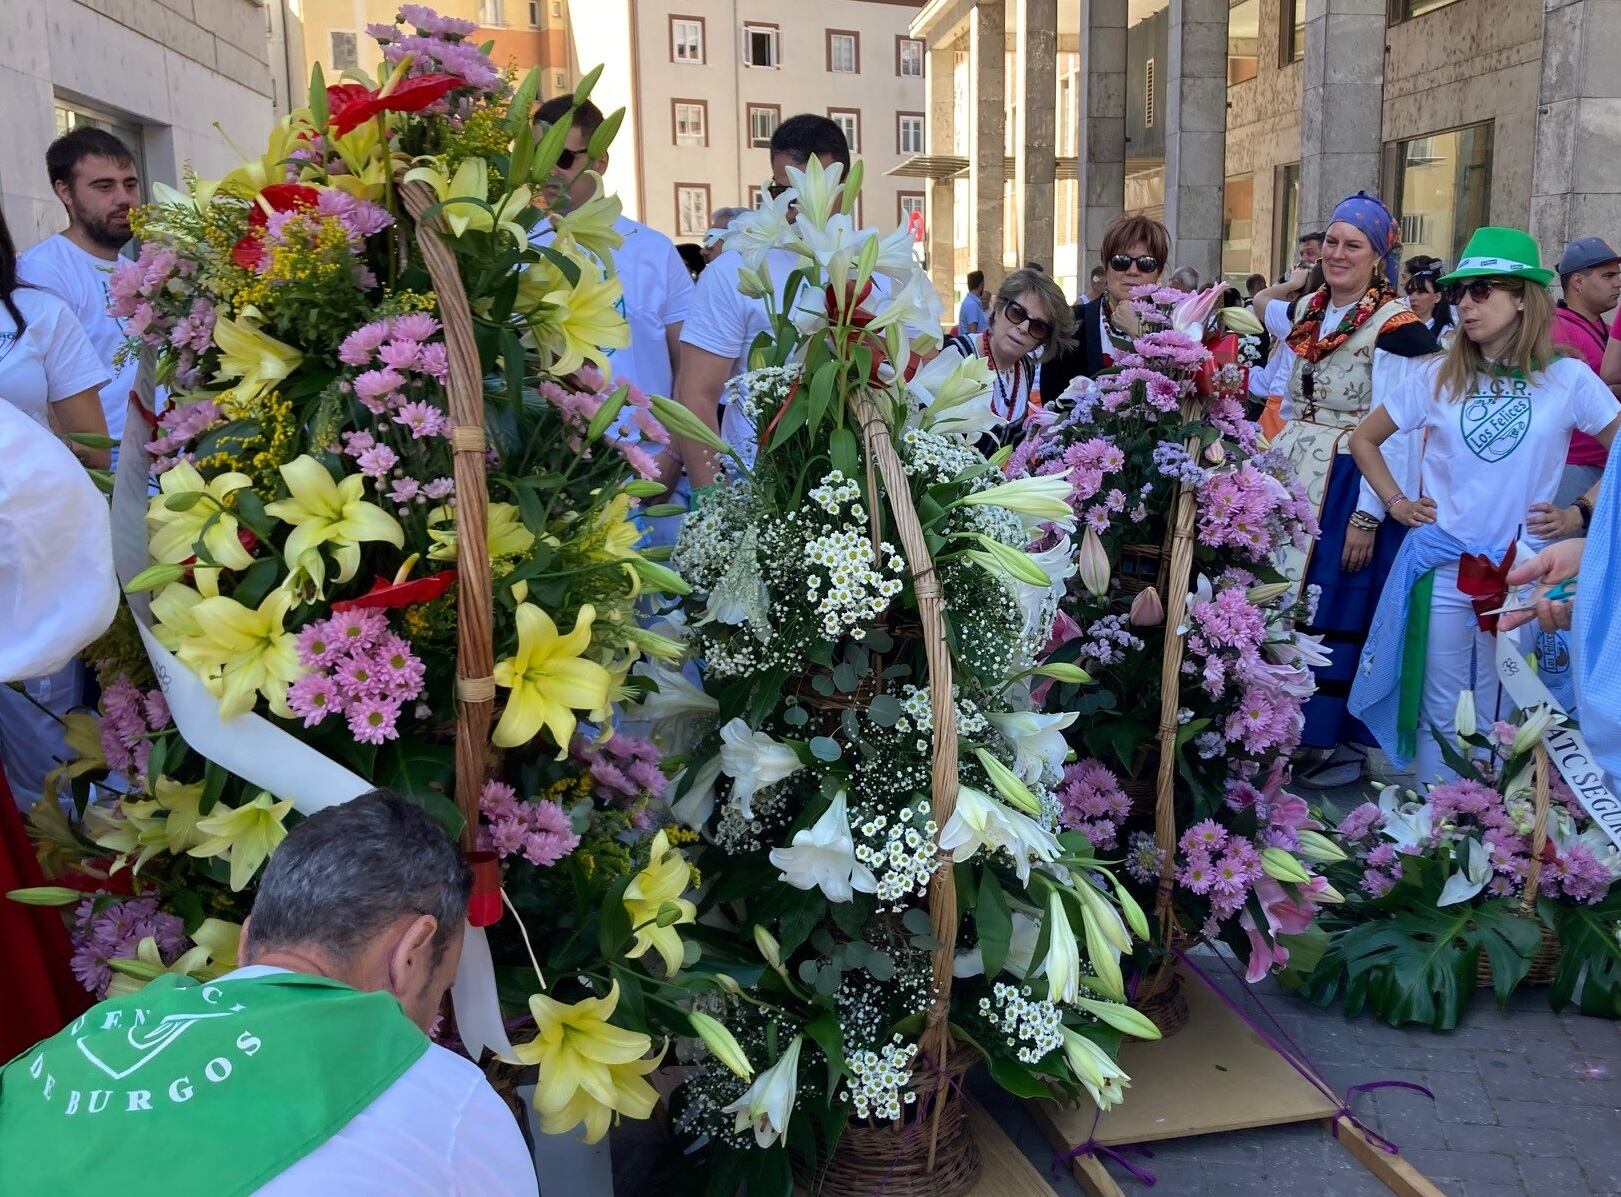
(1418, 964)
(1590, 956)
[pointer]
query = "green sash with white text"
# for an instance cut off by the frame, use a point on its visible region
(197, 1088)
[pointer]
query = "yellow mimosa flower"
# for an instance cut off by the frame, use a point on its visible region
(549, 679)
(245, 835)
(573, 323)
(256, 359)
(326, 512)
(175, 533)
(590, 1070)
(243, 652)
(661, 883)
(504, 533)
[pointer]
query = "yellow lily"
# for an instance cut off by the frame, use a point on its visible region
(173, 607)
(82, 734)
(254, 175)
(573, 323)
(549, 679)
(326, 512)
(590, 1070)
(368, 165)
(57, 848)
(175, 533)
(134, 831)
(619, 533)
(591, 227)
(504, 533)
(213, 956)
(254, 358)
(245, 835)
(472, 182)
(244, 651)
(658, 886)
(181, 805)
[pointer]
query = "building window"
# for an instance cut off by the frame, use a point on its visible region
(1148, 94)
(1292, 31)
(687, 39)
(691, 120)
(909, 58)
(1286, 221)
(345, 51)
(909, 132)
(1442, 189)
(69, 116)
(691, 209)
(560, 81)
(1404, 10)
(756, 197)
(843, 52)
(763, 122)
(1243, 41)
(1238, 228)
(848, 120)
(534, 14)
(491, 12)
(760, 46)
(909, 202)
(557, 10)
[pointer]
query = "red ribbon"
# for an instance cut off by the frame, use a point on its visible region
(1485, 584)
(484, 906)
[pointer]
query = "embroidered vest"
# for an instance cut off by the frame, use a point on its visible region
(1342, 383)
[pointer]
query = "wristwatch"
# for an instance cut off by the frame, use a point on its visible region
(1583, 505)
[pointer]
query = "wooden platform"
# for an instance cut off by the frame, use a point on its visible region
(1006, 1171)
(1215, 1075)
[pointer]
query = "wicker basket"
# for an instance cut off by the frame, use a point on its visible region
(1546, 958)
(1161, 1000)
(1142, 566)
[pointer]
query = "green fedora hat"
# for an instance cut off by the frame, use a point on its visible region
(1495, 252)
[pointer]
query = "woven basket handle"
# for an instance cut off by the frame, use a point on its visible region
(1540, 790)
(475, 653)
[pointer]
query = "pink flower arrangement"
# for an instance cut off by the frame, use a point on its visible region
(538, 830)
(129, 716)
(114, 933)
(625, 772)
(1093, 802)
(358, 670)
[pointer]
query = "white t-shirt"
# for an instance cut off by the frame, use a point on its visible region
(1488, 458)
(59, 266)
(50, 360)
(438, 1131)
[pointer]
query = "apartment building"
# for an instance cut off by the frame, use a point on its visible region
(524, 33)
(706, 82)
(1242, 122)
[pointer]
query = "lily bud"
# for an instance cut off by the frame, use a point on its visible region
(1110, 925)
(1094, 565)
(1265, 593)
(1147, 611)
(1215, 452)
(722, 1044)
(46, 895)
(1063, 671)
(729, 984)
(1317, 847)
(1280, 866)
(751, 283)
(769, 947)
(1463, 717)
(1007, 783)
(1135, 918)
(1536, 723)
(1328, 896)
(1121, 1018)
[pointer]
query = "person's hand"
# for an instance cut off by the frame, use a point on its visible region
(1298, 276)
(1358, 548)
(1546, 570)
(1547, 522)
(1413, 512)
(1125, 318)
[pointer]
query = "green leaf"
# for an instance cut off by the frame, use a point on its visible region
(994, 922)
(821, 394)
(1589, 955)
(512, 362)
(841, 448)
(825, 749)
(250, 512)
(789, 421)
(825, 1033)
(884, 710)
(319, 113)
(613, 928)
(93, 440)
(800, 918)
(257, 582)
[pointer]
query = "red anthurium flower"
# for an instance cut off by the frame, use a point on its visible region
(351, 105)
(249, 252)
(857, 317)
(386, 594)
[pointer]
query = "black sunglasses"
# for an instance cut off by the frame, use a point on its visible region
(1018, 314)
(774, 190)
(1478, 292)
(1148, 263)
(565, 160)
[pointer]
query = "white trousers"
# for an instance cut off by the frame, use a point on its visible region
(1461, 656)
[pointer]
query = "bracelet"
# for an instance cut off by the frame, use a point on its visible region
(1398, 497)
(1586, 508)
(1365, 520)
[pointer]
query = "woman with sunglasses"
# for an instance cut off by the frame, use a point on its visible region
(1030, 322)
(1133, 255)
(1325, 377)
(1496, 414)
(1424, 298)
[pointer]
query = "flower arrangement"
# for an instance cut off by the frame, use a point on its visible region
(1437, 881)
(809, 733)
(1167, 420)
(304, 561)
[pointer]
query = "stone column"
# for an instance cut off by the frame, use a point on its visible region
(942, 70)
(1035, 142)
(1196, 133)
(1576, 170)
(987, 150)
(1341, 105)
(1101, 157)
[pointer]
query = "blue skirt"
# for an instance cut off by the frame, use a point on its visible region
(1345, 608)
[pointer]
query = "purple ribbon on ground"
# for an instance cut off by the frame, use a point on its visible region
(1117, 1153)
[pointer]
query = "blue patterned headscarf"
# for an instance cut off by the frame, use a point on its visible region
(1366, 213)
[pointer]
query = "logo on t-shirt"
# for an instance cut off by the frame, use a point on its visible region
(1494, 424)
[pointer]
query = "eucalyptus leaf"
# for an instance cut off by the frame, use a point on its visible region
(884, 710)
(825, 749)
(796, 716)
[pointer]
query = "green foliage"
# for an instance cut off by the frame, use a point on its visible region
(1590, 957)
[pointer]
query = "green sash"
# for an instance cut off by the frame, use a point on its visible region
(1415, 655)
(192, 1088)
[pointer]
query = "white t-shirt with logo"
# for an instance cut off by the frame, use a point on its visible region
(80, 278)
(50, 360)
(438, 1131)
(1488, 458)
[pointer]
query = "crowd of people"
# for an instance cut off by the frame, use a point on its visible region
(1448, 423)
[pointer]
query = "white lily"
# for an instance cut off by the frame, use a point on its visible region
(1105, 1080)
(674, 707)
(1037, 500)
(817, 189)
(955, 395)
(753, 760)
(755, 233)
(1062, 965)
(1463, 718)
(695, 806)
(1536, 725)
(1474, 871)
(1058, 563)
(823, 857)
(1408, 824)
(980, 821)
(915, 307)
(768, 1103)
(835, 247)
(1037, 740)
(1021, 951)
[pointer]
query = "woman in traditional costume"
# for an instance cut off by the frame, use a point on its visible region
(1030, 323)
(1327, 375)
(1496, 415)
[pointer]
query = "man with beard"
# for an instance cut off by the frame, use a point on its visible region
(93, 174)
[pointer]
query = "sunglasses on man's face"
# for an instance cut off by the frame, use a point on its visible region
(1478, 292)
(775, 190)
(1018, 314)
(1148, 263)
